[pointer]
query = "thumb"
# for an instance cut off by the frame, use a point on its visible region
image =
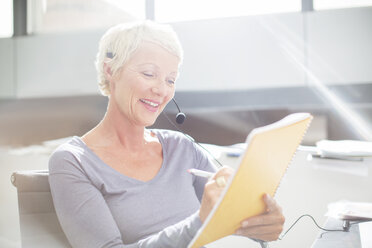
(270, 203)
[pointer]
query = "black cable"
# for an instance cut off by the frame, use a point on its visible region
(308, 215)
(174, 101)
(187, 136)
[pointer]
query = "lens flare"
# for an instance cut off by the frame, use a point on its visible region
(296, 49)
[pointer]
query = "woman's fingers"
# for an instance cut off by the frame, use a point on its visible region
(263, 220)
(271, 204)
(225, 171)
(213, 189)
(267, 226)
(222, 176)
(267, 233)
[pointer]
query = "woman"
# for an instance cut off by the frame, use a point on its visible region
(122, 185)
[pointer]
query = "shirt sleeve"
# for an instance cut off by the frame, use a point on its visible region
(86, 218)
(202, 162)
(175, 236)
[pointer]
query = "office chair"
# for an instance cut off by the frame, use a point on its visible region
(40, 227)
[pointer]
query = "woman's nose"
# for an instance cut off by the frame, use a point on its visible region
(159, 88)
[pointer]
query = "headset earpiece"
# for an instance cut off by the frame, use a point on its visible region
(180, 117)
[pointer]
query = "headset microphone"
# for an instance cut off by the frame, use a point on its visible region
(180, 117)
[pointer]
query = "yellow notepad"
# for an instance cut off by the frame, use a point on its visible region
(269, 151)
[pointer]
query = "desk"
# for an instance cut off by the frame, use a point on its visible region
(349, 239)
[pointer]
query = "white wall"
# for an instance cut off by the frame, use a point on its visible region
(7, 82)
(240, 53)
(340, 49)
(56, 64)
(220, 54)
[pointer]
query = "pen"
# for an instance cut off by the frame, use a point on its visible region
(200, 173)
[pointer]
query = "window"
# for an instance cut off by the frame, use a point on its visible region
(172, 11)
(6, 18)
(336, 4)
(71, 15)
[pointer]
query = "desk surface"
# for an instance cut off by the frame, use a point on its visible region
(350, 239)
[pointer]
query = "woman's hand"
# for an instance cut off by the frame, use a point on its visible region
(267, 226)
(212, 191)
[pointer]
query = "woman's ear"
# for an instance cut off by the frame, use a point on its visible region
(108, 72)
(109, 76)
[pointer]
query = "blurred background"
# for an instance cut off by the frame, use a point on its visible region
(247, 64)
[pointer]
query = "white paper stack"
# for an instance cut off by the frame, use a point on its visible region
(340, 149)
(347, 210)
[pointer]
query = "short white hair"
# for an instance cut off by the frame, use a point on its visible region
(119, 42)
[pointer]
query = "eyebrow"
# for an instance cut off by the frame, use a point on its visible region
(145, 64)
(157, 67)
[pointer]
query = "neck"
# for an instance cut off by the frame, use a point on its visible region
(117, 130)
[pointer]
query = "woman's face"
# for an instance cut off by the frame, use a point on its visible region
(145, 84)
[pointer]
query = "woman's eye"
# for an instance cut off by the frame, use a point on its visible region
(170, 81)
(147, 74)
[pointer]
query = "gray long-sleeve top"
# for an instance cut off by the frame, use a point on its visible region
(99, 207)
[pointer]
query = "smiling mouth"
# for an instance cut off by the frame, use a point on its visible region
(152, 104)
